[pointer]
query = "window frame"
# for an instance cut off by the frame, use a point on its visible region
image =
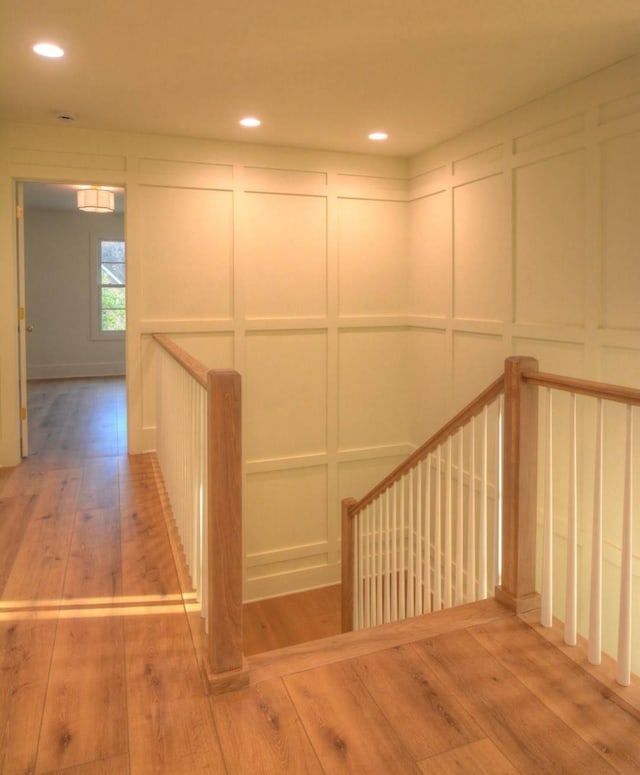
(97, 334)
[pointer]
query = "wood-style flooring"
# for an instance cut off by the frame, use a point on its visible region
(99, 670)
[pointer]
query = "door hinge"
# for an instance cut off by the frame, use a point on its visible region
(19, 212)
(23, 413)
(21, 313)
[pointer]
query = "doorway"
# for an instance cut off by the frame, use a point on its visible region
(72, 287)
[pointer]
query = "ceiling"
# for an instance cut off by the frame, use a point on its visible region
(319, 73)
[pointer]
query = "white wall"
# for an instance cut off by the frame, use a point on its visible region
(287, 265)
(524, 240)
(58, 256)
(339, 284)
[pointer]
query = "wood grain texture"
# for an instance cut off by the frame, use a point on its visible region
(25, 655)
(170, 724)
(580, 701)
(348, 560)
(40, 562)
(224, 464)
(345, 725)
(405, 691)
(148, 562)
(15, 514)
(531, 736)
(118, 765)
(85, 715)
(481, 757)
(585, 387)
(262, 723)
(605, 674)
(519, 493)
(284, 621)
(349, 645)
(119, 691)
(94, 567)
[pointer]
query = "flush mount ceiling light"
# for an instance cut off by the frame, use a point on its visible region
(250, 121)
(378, 136)
(50, 50)
(96, 200)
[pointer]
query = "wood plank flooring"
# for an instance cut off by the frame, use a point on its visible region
(99, 668)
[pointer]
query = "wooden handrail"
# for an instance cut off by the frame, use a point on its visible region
(619, 393)
(520, 384)
(190, 364)
(348, 553)
(519, 492)
(224, 462)
(224, 663)
(462, 418)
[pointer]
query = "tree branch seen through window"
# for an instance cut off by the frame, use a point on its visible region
(112, 291)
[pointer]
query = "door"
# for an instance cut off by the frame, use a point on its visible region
(22, 321)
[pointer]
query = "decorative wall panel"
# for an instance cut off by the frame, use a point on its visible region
(285, 394)
(284, 248)
(373, 379)
(187, 262)
(481, 266)
(372, 242)
(550, 201)
(430, 269)
(621, 232)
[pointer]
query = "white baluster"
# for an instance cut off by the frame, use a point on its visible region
(460, 523)
(571, 602)
(372, 564)
(595, 606)
(484, 498)
(410, 545)
(379, 559)
(426, 600)
(419, 539)
(402, 581)
(623, 671)
(497, 565)
(546, 603)
(367, 567)
(394, 553)
(387, 553)
(471, 530)
(437, 539)
(357, 572)
(447, 529)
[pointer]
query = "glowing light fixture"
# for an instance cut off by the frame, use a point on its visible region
(96, 200)
(378, 136)
(50, 50)
(250, 121)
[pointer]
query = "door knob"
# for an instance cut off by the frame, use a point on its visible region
(29, 329)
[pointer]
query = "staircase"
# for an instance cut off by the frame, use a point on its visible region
(455, 524)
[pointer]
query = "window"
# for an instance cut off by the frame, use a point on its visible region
(109, 289)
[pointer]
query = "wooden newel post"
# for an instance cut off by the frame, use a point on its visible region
(226, 669)
(348, 549)
(519, 489)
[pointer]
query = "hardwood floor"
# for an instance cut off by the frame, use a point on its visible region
(99, 670)
(284, 621)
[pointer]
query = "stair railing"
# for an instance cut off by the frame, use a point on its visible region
(200, 456)
(403, 544)
(391, 538)
(608, 459)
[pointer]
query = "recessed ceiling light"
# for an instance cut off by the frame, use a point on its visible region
(50, 50)
(250, 121)
(378, 136)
